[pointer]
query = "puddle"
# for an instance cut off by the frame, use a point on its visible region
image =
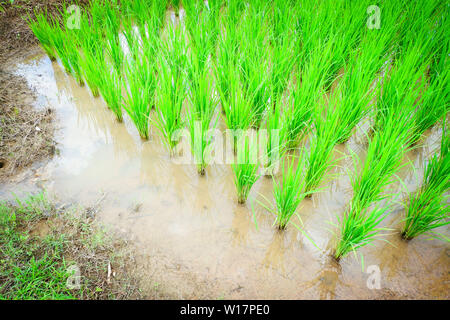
(190, 230)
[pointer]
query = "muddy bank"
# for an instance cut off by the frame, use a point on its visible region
(193, 239)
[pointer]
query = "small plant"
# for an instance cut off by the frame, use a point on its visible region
(140, 87)
(359, 227)
(200, 115)
(110, 88)
(322, 143)
(43, 29)
(238, 110)
(428, 208)
(170, 93)
(275, 144)
(246, 168)
(289, 190)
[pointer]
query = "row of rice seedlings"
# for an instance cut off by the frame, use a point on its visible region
(428, 207)
(171, 89)
(359, 225)
(343, 110)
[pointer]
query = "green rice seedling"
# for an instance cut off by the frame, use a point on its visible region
(315, 22)
(253, 62)
(282, 16)
(174, 51)
(359, 227)
(201, 91)
(256, 86)
(245, 169)
(58, 41)
(283, 60)
(428, 207)
(237, 109)
(434, 104)
(110, 88)
(203, 29)
(234, 9)
(140, 87)
(288, 190)
(200, 120)
(226, 60)
(275, 146)
(404, 86)
(43, 29)
(112, 24)
(201, 111)
(169, 102)
(91, 60)
(90, 42)
(171, 89)
(306, 95)
(322, 143)
(137, 12)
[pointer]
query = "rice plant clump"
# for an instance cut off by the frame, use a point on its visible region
(237, 108)
(275, 138)
(140, 82)
(289, 190)
(171, 90)
(202, 108)
(43, 29)
(428, 207)
(245, 168)
(322, 142)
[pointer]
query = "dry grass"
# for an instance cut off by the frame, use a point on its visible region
(26, 134)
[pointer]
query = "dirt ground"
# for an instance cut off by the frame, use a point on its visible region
(26, 134)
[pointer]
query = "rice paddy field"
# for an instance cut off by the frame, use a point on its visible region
(255, 149)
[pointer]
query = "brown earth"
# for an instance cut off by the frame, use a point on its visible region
(26, 134)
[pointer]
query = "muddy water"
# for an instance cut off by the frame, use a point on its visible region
(194, 239)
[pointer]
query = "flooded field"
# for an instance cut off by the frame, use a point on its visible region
(193, 236)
